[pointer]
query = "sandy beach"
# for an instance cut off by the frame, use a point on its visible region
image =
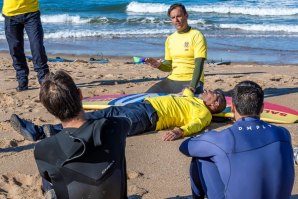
(156, 169)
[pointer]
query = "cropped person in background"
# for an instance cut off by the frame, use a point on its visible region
(20, 15)
(185, 53)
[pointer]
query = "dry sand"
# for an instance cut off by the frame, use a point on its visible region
(156, 169)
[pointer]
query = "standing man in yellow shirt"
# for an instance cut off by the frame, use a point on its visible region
(185, 53)
(20, 15)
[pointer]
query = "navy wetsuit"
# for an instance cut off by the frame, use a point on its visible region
(251, 159)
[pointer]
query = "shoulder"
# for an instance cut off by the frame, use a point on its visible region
(197, 32)
(174, 34)
(282, 131)
(213, 136)
(46, 146)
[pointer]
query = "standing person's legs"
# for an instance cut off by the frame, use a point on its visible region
(35, 33)
(14, 32)
(168, 86)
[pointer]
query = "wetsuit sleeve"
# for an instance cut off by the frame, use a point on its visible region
(199, 66)
(196, 147)
(166, 66)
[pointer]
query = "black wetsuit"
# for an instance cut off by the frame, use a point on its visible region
(86, 162)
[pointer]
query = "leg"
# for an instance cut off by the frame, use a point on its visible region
(196, 185)
(33, 132)
(141, 115)
(48, 189)
(205, 179)
(34, 31)
(168, 86)
(14, 31)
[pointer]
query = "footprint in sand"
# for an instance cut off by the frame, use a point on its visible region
(136, 192)
(7, 100)
(276, 79)
(133, 174)
(18, 186)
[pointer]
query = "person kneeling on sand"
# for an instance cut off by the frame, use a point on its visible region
(251, 159)
(87, 159)
(187, 115)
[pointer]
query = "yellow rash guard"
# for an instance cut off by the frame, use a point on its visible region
(17, 7)
(189, 113)
(182, 49)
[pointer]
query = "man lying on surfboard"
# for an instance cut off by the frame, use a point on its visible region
(186, 115)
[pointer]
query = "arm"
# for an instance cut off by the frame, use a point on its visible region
(199, 118)
(174, 134)
(194, 126)
(200, 54)
(199, 66)
(165, 66)
(198, 147)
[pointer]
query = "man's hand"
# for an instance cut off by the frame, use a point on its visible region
(153, 62)
(173, 134)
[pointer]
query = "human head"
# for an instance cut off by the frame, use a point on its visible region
(179, 16)
(214, 100)
(248, 98)
(60, 96)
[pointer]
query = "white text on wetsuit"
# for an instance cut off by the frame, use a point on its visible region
(253, 128)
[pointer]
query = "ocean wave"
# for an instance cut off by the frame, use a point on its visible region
(107, 34)
(64, 18)
(262, 27)
(147, 7)
(220, 8)
(246, 10)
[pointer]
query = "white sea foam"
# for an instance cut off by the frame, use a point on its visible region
(245, 9)
(146, 7)
(106, 34)
(63, 18)
(198, 21)
(262, 27)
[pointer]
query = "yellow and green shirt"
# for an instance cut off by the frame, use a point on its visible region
(17, 7)
(189, 113)
(182, 49)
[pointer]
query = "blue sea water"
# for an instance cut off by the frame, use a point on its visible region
(263, 31)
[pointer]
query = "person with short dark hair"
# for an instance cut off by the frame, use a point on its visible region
(187, 115)
(20, 15)
(185, 53)
(250, 159)
(87, 159)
